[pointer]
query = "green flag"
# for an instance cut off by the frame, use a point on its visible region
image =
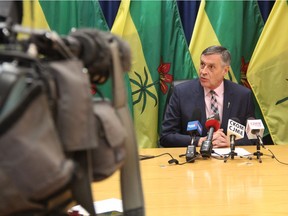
(64, 15)
(267, 72)
(236, 25)
(159, 55)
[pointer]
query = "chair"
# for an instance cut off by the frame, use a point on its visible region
(174, 83)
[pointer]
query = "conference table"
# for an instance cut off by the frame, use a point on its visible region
(239, 186)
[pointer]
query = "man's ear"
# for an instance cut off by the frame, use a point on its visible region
(226, 69)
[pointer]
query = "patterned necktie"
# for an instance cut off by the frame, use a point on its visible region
(214, 105)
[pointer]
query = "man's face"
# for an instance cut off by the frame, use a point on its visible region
(212, 70)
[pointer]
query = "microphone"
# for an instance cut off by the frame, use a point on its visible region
(194, 128)
(255, 129)
(235, 131)
(212, 125)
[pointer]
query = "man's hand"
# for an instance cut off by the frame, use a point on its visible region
(220, 139)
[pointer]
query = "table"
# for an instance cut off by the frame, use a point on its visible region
(209, 187)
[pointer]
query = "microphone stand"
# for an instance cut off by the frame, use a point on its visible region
(258, 153)
(232, 153)
(191, 153)
(193, 139)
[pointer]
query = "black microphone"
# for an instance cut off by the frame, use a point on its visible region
(212, 125)
(194, 128)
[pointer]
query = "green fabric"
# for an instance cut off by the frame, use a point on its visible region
(161, 21)
(64, 15)
(238, 26)
(268, 75)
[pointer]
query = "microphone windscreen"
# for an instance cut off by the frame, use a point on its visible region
(212, 123)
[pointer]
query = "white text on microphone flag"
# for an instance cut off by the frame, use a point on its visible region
(194, 126)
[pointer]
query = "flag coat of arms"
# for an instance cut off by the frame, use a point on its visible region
(160, 55)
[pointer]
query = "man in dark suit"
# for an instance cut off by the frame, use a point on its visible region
(232, 100)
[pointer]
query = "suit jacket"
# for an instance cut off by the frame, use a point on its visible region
(189, 96)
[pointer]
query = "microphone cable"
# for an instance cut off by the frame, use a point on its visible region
(171, 161)
(273, 156)
(218, 157)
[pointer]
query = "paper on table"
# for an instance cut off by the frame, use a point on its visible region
(103, 206)
(239, 151)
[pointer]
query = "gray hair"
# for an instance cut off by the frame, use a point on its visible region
(225, 54)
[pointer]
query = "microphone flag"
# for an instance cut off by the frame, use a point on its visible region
(253, 128)
(236, 129)
(194, 127)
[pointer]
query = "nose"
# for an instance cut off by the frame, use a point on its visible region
(203, 71)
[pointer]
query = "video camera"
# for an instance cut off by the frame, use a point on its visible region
(56, 137)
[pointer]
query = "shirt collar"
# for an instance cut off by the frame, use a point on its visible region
(219, 90)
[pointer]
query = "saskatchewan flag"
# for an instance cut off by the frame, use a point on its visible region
(268, 75)
(160, 55)
(235, 25)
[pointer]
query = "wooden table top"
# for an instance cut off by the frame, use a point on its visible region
(209, 186)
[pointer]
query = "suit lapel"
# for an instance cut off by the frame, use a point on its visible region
(200, 102)
(227, 103)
